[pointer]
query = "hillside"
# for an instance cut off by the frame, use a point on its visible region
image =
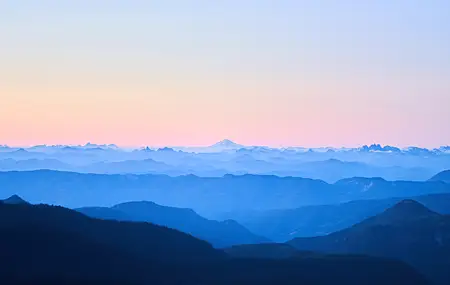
(220, 234)
(267, 251)
(154, 242)
(54, 245)
(407, 231)
(443, 176)
(14, 199)
(309, 221)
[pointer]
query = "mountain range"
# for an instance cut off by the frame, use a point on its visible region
(219, 234)
(207, 196)
(308, 221)
(54, 245)
(228, 157)
(142, 215)
(408, 231)
(227, 144)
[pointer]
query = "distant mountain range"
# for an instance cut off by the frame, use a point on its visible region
(228, 157)
(227, 145)
(54, 245)
(220, 234)
(407, 231)
(207, 196)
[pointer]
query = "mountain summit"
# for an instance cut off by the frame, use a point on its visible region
(14, 200)
(443, 176)
(404, 211)
(227, 145)
(408, 231)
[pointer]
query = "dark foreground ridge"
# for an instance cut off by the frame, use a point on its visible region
(14, 199)
(408, 231)
(54, 245)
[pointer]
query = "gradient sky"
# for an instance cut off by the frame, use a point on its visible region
(303, 73)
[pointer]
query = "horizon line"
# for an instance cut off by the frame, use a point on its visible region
(231, 142)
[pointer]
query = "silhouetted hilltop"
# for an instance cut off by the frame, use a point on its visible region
(309, 221)
(408, 231)
(143, 239)
(406, 211)
(220, 234)
(443, 176)
(54, 245)
(14, 199)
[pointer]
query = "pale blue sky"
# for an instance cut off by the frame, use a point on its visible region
(192, 72)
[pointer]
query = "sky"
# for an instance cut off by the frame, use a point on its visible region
(280, 73)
